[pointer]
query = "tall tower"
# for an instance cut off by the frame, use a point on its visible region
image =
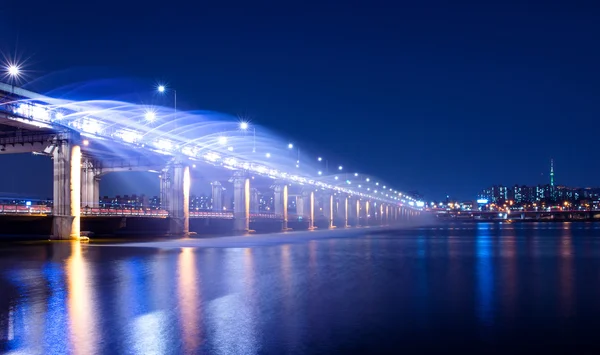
(552, 172)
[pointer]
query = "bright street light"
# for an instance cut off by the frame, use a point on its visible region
(290, 146)
(268, 155)
(340, 167)
(320, 159)
(13, 70)
(244, 127)
(163, 89)
(355, 174)
(320, 172)
(150, 116)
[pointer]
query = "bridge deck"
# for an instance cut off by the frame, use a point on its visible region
(108, 212)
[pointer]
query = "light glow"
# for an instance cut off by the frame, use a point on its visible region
(13, 70)
(150, 116)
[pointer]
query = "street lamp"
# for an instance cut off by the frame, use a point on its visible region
(340, 167)
(320, 159)
(244, 127)
(150, 116)
(163, 89)
(268, 155)
(13, 71)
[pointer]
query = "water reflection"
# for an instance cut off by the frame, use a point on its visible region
(567, 274)
(80, 301)
(231, 320)
(484, 271)
(510, 274)
(362, 294)
(189, 296)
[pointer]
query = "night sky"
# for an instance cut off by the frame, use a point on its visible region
(433, 96)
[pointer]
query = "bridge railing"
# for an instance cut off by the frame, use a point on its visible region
(211, 214)
(25, 210)
(142, 212)
(265, 216)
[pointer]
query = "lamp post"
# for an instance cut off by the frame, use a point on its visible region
(291, 146)
(244, 127)
(161, 90)
(13, 71)
(320, 159)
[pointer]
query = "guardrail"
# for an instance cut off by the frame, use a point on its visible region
(25, 210)
(144, 212)
(124, 212)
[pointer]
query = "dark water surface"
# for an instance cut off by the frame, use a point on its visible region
(476, 288)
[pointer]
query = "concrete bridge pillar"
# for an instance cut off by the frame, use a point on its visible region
(217, 196)
(90, 184)
(241, 202)
(177, 183)
(366, 213)
(308, 208)
(67, 190)
(254, 200)
(353, 211)
(342, 210)
(387, 214)
(328, 209)
(165, 186)
(280, 190)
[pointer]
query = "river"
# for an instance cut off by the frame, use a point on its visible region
(472, 288)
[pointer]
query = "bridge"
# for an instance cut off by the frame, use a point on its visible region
(88, 139)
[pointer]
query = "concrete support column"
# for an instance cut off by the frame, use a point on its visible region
(178, 197)
(299, 206)
(96, 196)
(217, 196)
(308, 200)
(241, 202)
(90, 184)
(342, 210)
(386, 214)
(328, 209)
(67, 190)
(365, 213)
(165, 186)
(87, 183)
(253, 200)
(354, 211)
(281, 202)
